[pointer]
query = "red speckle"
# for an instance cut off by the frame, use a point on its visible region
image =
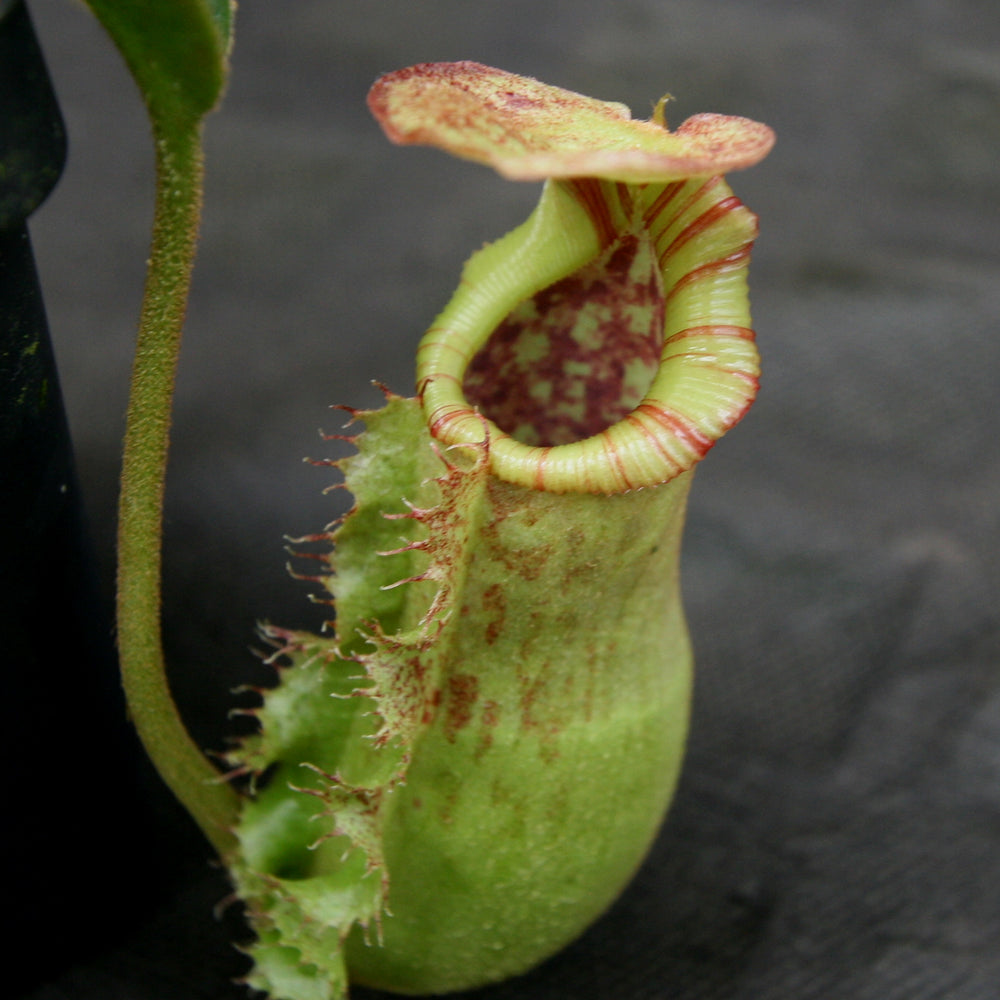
(491, 714)
(531, 688)
(490, 720)
(514, 100)
(463, 691)
(578, 356)
(495, 603)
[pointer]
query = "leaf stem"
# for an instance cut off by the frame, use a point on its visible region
(182, 765)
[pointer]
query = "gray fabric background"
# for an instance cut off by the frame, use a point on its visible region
(837, 830)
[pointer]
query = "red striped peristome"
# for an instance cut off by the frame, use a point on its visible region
(694, 238)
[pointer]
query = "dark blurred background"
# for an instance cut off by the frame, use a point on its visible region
(837, 828)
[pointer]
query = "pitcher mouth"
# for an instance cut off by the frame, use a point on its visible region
(603, 346)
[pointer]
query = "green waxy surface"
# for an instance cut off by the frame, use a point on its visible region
(531, 729)
(468, 770)
(539, 783)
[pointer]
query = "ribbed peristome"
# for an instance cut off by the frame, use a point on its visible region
(698, 236)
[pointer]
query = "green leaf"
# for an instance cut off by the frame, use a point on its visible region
(222, 14)
(177, 52)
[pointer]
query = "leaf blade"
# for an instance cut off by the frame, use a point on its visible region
(178, 52)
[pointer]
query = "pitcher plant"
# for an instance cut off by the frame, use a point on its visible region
(466, 767)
